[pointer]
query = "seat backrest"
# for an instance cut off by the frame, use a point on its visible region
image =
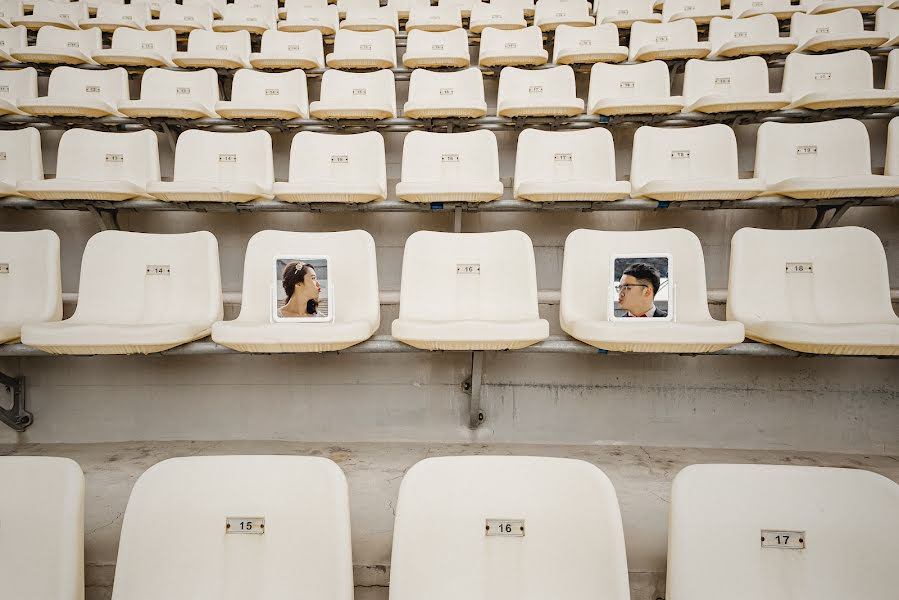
(325, 15)
(74, 11)
(512, 42)
(150, 278)
(804, 26)
(450, 157)
(532, 85)
(891, 162)
(886, 20)
(455, 499)
(378, 15)
(198, 14)
(329, 157)
(188, 86)
(308, 44)
(689, 7)
(13, 37)
(827, 149)
(364, 43)
(30, 289)
(16, 84)
(623, 9)
(438, 43)
(665, 35)
(244, 12)
(584, 39)
(345, 5)
(447, 14)
(299, 6)
(434, 87)
(110, 85)
(223, 157)
(750, 29)
(561, 156)
(840, 71)
(468, 276)
(42, 509)
(300, 502)
(163, 42)
(85, 40)
(522, 4)
(738, 7)
(218, 6)
(722, 533)
(743, 76)
(233, 42)
(11, 9)
(407, 5)
(360, 88)
(288, 86)
(650, 80)
(491, 12)
(136, 12)
(553, 10)
(661, 153)
(104, 156)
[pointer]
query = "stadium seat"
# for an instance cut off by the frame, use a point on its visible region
(296, 7)
(58, 46)
(131, 47)
(818, 7)
(886, 21)
(843, 30)
(552, 13)
(430, 49)
(75, 92)
(700, 11)
(538, 92)
(352, 275)
(831, 159)
(324, 19)
(624, 13)
(435, 94)
(215, 50)
(465, 501)
(219, 167)
(666, 41)
(156, 6)
(16, 84)
(891, 161)
(9, 10)
(450, 167)
(587, 45)
(290, 50)
(29, 281)
(344, 5)
(22, 151)
(371, 19)
(112, 16)
(781, 9)
(464, 6)
(515, 47)
(175, 94)
(43, 527)
(356, 96)
(138, 293)
(94, 5)
(218, 6)
(403, 7)
(838, 80)
(99, 165)
(363, 50)
(248, 16)
(446, 305)
(485, 15)
(729, 86)
(434, 18)
(10, 38)
(643, 88)
(749, 36)
(527, 6)
(696, 163)
(260, 95)
(554, 166)
(65, 15)
(182, 18)
(327, 167)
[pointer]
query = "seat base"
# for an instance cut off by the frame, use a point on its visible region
(190, 60)
(130, 58)
(847, 99)
(589, 58)
(456, 191)
(284, 111)
(572, 191)
(351, 62)
(344, 192)
(50, 56)
(853, 339)
(663, 105)
(809, 188)
(279, 338)
(628, 23)
(513, 61)
(655, 52)
(369, 27)
(163, 108)
(660, 337)
(835, 5)
(736, 48)
(419, 62)
(201, 191)
(300, 27)
(178, 27)
(259, 61)
(73, 189)
(509, 109)
(480, 27)
(840, 41)
(553, 25)
(700, 189)
(435, 27)
(720, 103)
(325, 112)
(65, 337)
(417, 111)
(50, 106)
(470, 335)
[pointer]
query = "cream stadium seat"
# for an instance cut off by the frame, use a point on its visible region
(891, 162)
(781, 9)
(819, 7)
(328, 167)
(552, 13)
(587, 45)
(666, 41)
(553, 166)
(638, 89)
(156, 6)
(465, 501)
(831, 159)
(43, 527)
(538, 92)
(371, 19)
(112, 16)
(464, 6)
(485, 15)
(58, 46)
(218, 6)
(527, 6)
(843, 30)
(838, 80)
(434, 18)
(352, 274)
(65, 15)
(344, 5)
(700, 11)
(99, 165)
(502, 47)
(696, 163)
(299, 6)
(29, 281)
(182, 18)
(175, 94)
(403, 7)
(435, 94)
(363, 50)
(94, 5)
(216, 50)
(138, 293)
(584, 311)
(260, 95)
(430, 49)
(356, 96)
(290, 50)
(131, 47)
(624, 13)
(468, 291)
(255, 16)
(715, 86)
(886, 21)
(791, 288)
(324, 19)
(9, 10)
(80, 93)
(219, 167)
(22, 161)
(16, 84)
(10, 38)
(750, 36)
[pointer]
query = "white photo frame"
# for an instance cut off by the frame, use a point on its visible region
(322, 265)
(664, 297)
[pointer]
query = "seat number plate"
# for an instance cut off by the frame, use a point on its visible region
(786, 540)
(4, 268)
(469, 269)
(504, 527)
(245, 525)
(162, 270)
(799, 268)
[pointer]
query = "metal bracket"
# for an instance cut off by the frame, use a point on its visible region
(821, 221)
(457, 219)
(106, 218)
(472, 387)
(15, 417)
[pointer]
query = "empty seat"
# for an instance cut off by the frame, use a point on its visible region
(468, 291)
(430, 49)
(335, 168)
(403, 7)
(254, 16)
(485, 15)
(552, 13)
(219, 167)
(526, 5)
(441, 95)
(363, 50)
(216, 50)
(298, 6)
(58, 46)
(356, 96)
(538, 92)
(182, 18)
(750, 36)
(352, 274)
(839, 80)
(791, 288)
(886, 21)
(138, 293)
(818, 7)
(891, 161)
(259, 95)
(450, 167)
(371, 19)
(131, 47)
(831, 159)
(698, 163)
(290, 50)
(75, 92)
(843, 30)
(586, 305)
(16, 84)
(781, 9)
(344, 5)
(643, 88)
(94, 5)
(324, 19)
(624, 13)
(175, 94)
(9, 10)
(553, 166)
(434, 18)
(700, 11)
(156, 5)
(66, 15)
(22, 151)
(218, 6)
(112, 16)
(501, 47)
(730, 85)
(29, 279)
(464, 6)
(666, 41)
(587, 45)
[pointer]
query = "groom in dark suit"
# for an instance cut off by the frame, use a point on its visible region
(637, 289)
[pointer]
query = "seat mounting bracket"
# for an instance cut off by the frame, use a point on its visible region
(15, 417)
(472, 387)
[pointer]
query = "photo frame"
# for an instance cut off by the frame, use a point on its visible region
(310, 281)
(635, 272)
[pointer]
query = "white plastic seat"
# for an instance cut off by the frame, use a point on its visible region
(554, 166)
(9, 10)
(30, 289)
(219, 167)
(584, 307)
(485, 15)
(552, 13)
(43, 522)
(290, 50)
(830, 159)
(781, 9)
(216, 50)
(371, 19)
(637, 89)
(259, 95)
(156, 6)
(80, 92)
(434, 95)
(58, 46)
(352, 274)
(450, 167)
(94, 5)
(324, 19)
(467, 291)
(344, 5)
(696, 163)
(218, 6)
(538, 92)
(455, 499)
(182, 18)
(14, 85)
(843, 30)
(464, 6)
(131, 47)
(624, 13)
(730, 85)
(434, 18)
(886, 21)
(527, 6)
(891, 160)
(255, 16)
(587, 45)
(750, 36)
(814, 309)
(175, 94)
(10, 38)
(403, 7)
(111, 16)
(363, 50)
(22, 149)
(666, 41)
(65, 15)
(512, 47)
(296, 7)
(356, 96)
(839, 80)
(430, 49)
(335, 168)
(700, 11)
(138, 293)
(819, 7)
